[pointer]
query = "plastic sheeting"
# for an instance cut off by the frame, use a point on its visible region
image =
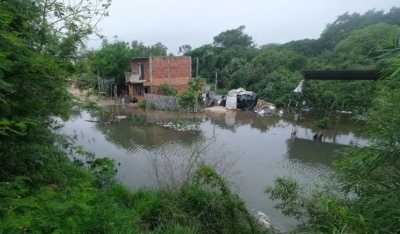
(231, 103)
(242, 99)
(247, 102)
(299, 87)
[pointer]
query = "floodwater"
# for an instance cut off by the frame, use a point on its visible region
(250, 150)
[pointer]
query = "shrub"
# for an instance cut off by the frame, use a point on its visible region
(165, 89)
(323, 123)
(143, 104)
(188, 99)
(136, 118)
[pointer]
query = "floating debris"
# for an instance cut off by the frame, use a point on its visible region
(179, 127)
(120, 117)
(264, 221)
(75, 109)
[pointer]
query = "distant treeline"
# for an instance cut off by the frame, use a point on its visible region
(351, 42)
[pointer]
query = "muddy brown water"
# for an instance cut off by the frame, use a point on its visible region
(251, 150)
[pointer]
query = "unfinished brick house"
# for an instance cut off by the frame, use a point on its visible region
(148, 73)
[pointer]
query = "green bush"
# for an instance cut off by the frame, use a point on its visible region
(165, 89)
(137, 118)
(55, 195)
(362, 193)
(188, 99)
(143, 104)
(323, 123)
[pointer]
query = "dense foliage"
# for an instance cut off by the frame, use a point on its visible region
(41, 44)
(351, 42)
(191, 97)
(364, 196)
(165, 89)
(41, 189)
(272, 70)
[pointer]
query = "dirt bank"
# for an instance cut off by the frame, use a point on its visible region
(217, 109)
(82, 95)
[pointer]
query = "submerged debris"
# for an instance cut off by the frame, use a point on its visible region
(179, 127)
(120, 117)
(264, 221)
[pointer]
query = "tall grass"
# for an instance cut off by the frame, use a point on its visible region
(54, 195)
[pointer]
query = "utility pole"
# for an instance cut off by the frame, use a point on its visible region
(216, 81)
(197, 67)
(98, 78)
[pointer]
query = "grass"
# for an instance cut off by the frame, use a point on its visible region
(57, 196)
(137, 118)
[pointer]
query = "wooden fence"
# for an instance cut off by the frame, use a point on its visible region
(160, 102)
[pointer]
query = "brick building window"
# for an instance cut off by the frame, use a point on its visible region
(138, 90)
(141, 71)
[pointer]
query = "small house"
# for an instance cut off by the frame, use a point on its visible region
(148, 73)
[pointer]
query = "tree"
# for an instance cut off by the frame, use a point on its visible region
(139, 50)
(38, 43)
(206, 55)
(234, 37)
(362, 197)
(196, 84)
(362, 46)
(183, 49)
(346, 23)
(157, 49)
(190, 96)
(165, 89)
(307, 47)
(112, 60)
(188, 99)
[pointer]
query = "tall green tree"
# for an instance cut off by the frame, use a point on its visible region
(360, 49)
(346, 23)
(157, 49)
(112, 60)
(39, 41)
(234, 37)
(206, 56)
(363, 197)
(183, 49)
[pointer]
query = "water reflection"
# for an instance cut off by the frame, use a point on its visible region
(233, 120)
(312, 151)
(133, 136)
(262, 147)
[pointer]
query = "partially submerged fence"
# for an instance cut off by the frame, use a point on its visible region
(161, 102)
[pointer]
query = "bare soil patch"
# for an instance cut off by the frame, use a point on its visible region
(217, 109)
(82, 95)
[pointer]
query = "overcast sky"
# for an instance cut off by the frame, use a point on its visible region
(195, 22)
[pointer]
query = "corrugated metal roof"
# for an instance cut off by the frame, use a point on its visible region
(342, 75)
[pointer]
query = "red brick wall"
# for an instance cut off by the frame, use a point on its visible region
(176, 72)
(180, 88)
(146, 66)
(179, 67)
